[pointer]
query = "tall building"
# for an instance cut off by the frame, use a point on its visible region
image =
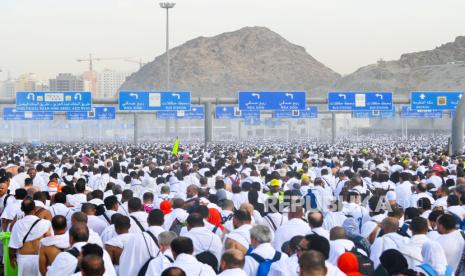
(26, 82)
(7, 89)
(90, 81)
(66, 82)
(109, 82)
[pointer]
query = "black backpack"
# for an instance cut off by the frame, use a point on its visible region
(176, 226)
(207, 257)
(365, 265)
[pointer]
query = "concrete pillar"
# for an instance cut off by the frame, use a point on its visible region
(333, 127)
(167, 128)
(208, 128)
(239, 123)
(457, 128)
(289, 129)
(136, 128)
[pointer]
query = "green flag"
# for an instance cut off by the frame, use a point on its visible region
(175, 149)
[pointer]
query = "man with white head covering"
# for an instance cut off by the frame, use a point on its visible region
(369, 231)
(25, 240)
(434, 259)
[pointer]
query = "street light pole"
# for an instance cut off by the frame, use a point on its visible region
(168, 6)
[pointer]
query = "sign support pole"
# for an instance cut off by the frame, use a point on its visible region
(136, 128)
(457, 128)
(208, 123)
(333, 127)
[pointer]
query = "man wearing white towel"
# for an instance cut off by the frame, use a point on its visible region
(25, 240)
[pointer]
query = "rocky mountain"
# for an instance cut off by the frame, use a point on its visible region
(252, 58)
(256, 58)
(440, 69)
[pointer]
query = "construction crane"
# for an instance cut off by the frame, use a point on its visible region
(92, 59)
(135, 61)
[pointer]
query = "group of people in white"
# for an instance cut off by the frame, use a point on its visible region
(372, 208)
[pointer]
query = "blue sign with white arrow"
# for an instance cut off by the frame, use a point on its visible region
(309, 112)
(359, 101)
(272, 100)
(53, 101)
(144, 100)
(434, 100)
(11, 114)
(231, 112)
(407, 112)
(97, 113)
(196, 113)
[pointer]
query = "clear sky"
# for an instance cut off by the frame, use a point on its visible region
(47, 36)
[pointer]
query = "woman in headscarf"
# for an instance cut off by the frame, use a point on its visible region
(166, 207)
(348, 263)
(214, 217)
(350, 225)
(434, 260)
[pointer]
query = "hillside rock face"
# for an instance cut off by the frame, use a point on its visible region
(440, 69)
(252, 58)
(258, 59)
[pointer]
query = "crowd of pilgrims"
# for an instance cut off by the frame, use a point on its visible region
(368, 207)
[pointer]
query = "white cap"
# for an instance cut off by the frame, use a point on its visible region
(367, 228)
(391, 195)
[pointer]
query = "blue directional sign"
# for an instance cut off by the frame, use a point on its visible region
(309, 112)
(97, 113)
(434, 100)
(231, 112)
(272, 100)
(53, 101)
(374, 114)
(196, 113)
(10, 114)
(359, 101)
(144, 100)
(407, 112)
